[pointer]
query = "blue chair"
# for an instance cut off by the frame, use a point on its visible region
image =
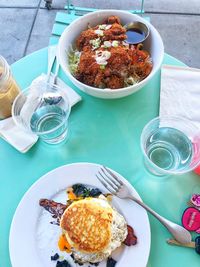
(63, 19)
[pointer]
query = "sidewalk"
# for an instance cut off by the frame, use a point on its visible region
(26, 25)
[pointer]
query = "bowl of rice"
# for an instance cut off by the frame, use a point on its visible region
(94, 53)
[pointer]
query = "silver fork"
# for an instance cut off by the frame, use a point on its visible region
(113, 184)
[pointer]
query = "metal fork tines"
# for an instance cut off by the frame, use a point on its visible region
(109, 180)
(113, 184)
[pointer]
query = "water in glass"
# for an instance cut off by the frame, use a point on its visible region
(51, 122)
(169, 149)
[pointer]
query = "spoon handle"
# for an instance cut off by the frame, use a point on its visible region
(51, 60)
(54, 79)
(176, 243)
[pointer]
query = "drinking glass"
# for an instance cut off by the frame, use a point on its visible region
(44, 111)
(170, 145)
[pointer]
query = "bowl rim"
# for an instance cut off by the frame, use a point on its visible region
(134, 87)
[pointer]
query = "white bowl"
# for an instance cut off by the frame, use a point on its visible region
(153, 44)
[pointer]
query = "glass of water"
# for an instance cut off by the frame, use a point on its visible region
(43, 110)
(170, 145)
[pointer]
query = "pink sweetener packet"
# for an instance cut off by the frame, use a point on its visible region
(191, 219)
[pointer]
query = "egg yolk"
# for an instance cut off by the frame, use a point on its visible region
(71, 194)
(63, 244)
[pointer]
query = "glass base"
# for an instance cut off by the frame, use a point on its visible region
(153, 171)
(57, 140)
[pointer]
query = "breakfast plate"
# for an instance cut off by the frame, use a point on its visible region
(33, 229)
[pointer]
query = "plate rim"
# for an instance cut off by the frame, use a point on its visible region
(11, 232)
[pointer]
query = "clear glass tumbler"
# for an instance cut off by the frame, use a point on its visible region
(43, 111)
(170, 145)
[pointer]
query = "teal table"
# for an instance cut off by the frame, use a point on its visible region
(105, 132)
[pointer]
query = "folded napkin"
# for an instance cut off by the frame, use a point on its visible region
(180, 93)
(19, 138)
(15, 136)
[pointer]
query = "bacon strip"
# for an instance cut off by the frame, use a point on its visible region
(131, 239)
(55, 208)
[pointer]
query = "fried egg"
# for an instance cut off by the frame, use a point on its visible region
(93, 228)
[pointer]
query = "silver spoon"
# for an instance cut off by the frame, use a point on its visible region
(51, 98)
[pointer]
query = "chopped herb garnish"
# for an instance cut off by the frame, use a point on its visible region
(115, 43)
(81, 190)
(102, 67)
(107, 44)
(99, 32)
(102, 27)
(95, 43)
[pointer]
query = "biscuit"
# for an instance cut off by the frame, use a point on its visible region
(87, 225)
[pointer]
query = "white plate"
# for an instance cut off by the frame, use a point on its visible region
(33, 240)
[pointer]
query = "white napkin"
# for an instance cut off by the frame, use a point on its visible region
(180, 93)
(17, 137)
